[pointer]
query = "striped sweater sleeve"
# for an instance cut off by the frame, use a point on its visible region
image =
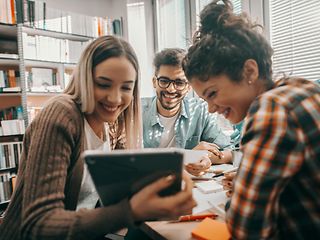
(52, 138)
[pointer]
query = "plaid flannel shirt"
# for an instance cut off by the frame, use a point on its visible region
(277, 188)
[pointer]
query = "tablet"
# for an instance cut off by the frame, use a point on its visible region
(121, 173)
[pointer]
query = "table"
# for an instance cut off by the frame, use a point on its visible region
(160, 230)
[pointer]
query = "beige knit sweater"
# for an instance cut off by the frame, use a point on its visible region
(49, 178)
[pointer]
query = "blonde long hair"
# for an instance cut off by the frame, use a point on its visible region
(81, 86)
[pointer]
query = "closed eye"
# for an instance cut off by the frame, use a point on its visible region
(103, 85)
(212, 94)
(127, 88)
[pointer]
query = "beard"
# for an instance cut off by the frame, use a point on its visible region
(170, 105)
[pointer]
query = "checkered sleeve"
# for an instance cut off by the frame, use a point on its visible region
(271, 155)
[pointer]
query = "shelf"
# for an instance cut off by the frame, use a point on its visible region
(9, 62)
(43, 94)
(43, 63)
(8, 31)
(11, 138)
(5, 203)
(54, 34)
(10, 94)
(11, 169)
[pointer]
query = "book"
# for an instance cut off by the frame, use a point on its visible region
(209, 186)
(210, 229)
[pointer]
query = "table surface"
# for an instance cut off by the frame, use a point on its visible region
(160, 230)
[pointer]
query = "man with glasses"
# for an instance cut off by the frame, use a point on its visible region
(170, 119)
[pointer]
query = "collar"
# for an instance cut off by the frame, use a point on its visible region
(153, 111)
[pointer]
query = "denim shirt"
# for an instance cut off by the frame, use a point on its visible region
(193, 125)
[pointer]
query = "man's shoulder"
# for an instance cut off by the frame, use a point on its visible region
(146, 102)
(193, 103)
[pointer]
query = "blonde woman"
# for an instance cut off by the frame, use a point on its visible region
(54, 197)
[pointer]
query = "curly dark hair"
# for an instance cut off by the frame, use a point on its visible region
(224, 42)
(169, 56)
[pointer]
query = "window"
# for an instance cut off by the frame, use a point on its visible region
(171, 23)
(295, 37)
(137, 11)
(200, 4)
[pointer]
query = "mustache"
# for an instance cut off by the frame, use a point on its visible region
(176, 94)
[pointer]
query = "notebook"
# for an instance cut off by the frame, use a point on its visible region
(210, 229)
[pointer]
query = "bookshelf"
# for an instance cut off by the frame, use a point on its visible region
(39, 48)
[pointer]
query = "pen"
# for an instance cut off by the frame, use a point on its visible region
(227, 148)
(187, 218)
(226, 171)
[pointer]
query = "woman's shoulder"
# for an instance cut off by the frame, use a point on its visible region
(63, 103)
(61, 107)
(290, 92)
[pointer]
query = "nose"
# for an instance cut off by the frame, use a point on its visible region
(114, 96)
(171, 88)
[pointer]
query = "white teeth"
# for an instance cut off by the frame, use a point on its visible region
(110, 109)
(169, 96)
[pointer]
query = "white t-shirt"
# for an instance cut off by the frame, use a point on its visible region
(168, 138)
(88, 196)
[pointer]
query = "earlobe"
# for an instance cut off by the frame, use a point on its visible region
(154, 80)
(251, 71)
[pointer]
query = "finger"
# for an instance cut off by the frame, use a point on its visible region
(229, 193)
(226, 187)
(216, 152)
(159, 184)
(230, 176)
(187, 207)
(212, 145)
(195, 172)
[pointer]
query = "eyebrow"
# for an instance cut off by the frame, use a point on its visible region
(181, 79)
(110, 80)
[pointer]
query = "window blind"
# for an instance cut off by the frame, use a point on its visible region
(295, 37)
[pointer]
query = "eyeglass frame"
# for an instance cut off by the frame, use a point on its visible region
(170, 81)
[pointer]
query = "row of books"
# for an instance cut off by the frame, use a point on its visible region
(11, 121)
(38, 15)
(7, 184)
(52, 49)
(9, 80)
(12, 127)
(43, 80)
(10, 154)
(8, 11)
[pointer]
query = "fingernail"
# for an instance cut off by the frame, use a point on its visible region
(169, 178)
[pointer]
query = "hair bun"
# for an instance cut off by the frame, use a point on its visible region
(214, 16)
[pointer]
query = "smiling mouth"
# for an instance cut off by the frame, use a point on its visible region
(170, 96)
(109, 108)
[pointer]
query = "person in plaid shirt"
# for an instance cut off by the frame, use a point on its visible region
(276, 191)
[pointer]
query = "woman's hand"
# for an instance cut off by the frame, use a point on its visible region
(227, 183)
(200, 167)
(147, 204)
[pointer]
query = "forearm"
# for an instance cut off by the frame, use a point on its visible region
(83, 224)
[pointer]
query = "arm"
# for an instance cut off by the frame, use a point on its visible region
(53, 139)
(269, 160)
(212, 132)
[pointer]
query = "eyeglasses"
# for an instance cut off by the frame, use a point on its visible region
(164, 82)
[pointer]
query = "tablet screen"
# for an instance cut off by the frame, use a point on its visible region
(122, 173)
